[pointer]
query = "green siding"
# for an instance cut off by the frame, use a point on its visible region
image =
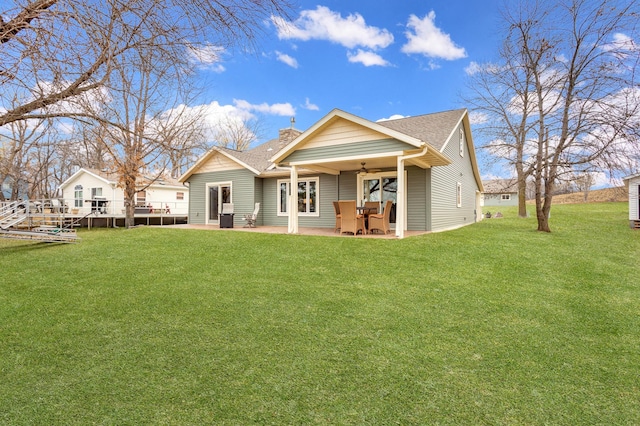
(348, 186)
(328, 192)
(242, 193)
(417, 201)
(444, 179)
(348, 150)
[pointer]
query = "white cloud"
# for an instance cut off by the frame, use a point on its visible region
(325, 24)
(393, 117)
(284, 58)
(207, 57)
(274, 109)
(309, 106)
(473, 68)
(478, 118)
(426, 39)
(366, 58)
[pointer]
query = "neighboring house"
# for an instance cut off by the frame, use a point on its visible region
(633, 188)
(426, 165)
(500, 192)
(86, 186)
(7, 186)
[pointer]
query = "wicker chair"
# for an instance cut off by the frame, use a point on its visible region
(380, 222)
(336, 208)
(372, 205)
(351, 221)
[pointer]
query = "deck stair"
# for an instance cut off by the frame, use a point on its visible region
(635, 224)
(12, 214)
(18, 220)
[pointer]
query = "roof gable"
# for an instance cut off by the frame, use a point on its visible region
(435, 129)
(94, 173)
(323, 133)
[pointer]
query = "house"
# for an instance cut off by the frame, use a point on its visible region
(425, 164)
(12, 190)
(500, 192)
(89, 189)
(633, 189)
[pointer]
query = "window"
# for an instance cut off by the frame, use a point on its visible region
(307, 197)
(461, 142)
(77, 196)
(459, 195)
(506, 197)
(96, 192)
(141, 198)
(179, 196)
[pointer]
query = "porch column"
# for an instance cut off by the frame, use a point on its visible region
(400, 200)
(293, 201)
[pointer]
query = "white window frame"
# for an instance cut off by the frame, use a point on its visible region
(505, 197)
(461, 142)
(459, 194)
(96, 192)
(287, 182)
(77, 196)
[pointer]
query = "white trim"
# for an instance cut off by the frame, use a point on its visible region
(290, 193)
(207, 204)
(350, 158)
(206, 158)
(318, 126)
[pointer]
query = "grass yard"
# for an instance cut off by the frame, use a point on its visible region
(490, 324)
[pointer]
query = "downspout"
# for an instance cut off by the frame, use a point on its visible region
(401, 199)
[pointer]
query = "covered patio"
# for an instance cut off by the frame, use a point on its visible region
(371, 150)
(323, 232)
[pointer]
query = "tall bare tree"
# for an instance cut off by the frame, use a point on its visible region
(578, 60)
(52, 50)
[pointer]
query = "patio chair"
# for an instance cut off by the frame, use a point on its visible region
(350, 221)
(380, 222)
(372, 205)
(336, 208)
(251, 218)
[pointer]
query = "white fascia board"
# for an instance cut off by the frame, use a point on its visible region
(337, 113)
(78, 173)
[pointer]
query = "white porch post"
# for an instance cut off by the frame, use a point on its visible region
(293, 201)
(400, 200)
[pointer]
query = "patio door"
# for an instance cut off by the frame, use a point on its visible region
(217, 194)
(379, 187)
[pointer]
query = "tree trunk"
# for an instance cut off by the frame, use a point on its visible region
(129, 204)
(522, 198)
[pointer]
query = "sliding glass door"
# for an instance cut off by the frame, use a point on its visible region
(379, 187)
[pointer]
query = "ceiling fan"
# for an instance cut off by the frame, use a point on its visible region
(363, 170)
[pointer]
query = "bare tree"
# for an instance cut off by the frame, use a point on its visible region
(53, 50)
(25, 154)
(236, 133)
(578, 63)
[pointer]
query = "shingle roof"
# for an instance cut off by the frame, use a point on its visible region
(433, 129)
(257, 157)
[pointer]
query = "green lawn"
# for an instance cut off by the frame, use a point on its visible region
(493, 324)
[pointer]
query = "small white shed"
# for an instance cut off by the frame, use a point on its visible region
(633, 188)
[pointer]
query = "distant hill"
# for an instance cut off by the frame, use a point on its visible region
(594, 196)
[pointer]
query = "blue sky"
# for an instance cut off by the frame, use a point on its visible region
(376, 59)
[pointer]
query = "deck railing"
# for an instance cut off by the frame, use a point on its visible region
(73, 207)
